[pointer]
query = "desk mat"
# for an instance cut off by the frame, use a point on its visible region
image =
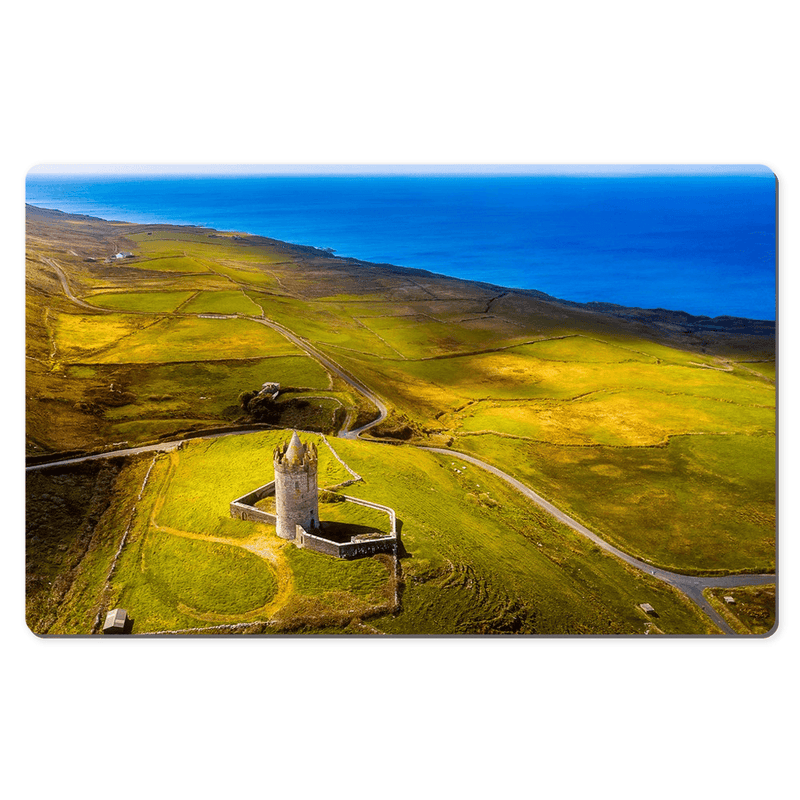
(410, 401)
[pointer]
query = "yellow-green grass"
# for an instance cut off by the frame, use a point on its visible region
(753, 610)
(699, 504)
(52, 424)
(765, 368)
(480, 558)
(212, 473)
(78, 335)
(167, 581)
(474, 561)
(205, 576)
(344, 513)
(150, 281)
(521, 372)
(234, 302)
(424, 389)
(586, 349)
(140, 301)
(314, 413)
(319, 576)
(208, 388)
(248, 277)
(321, 326)
(201, 246)
(173, 264)
(196, 492)
(624, 418)
(195, 339)
(420, 336)
(136, 431)
(76, 408)
(156, 238)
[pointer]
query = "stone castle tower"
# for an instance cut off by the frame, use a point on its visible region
(296, 500)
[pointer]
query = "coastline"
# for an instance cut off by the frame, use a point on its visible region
(673, 318)
(703, 246)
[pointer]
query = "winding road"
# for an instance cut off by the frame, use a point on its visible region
(690, 585)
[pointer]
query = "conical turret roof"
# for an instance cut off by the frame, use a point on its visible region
(295, 451)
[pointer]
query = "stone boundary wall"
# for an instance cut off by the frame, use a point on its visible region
(102, 609)
(359, 548)
(244, 507)
(356, 476)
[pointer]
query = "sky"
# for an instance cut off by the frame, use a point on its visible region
(757, 170)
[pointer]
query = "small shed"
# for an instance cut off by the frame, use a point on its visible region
(728, 599)
(648, 609)
(117, 621)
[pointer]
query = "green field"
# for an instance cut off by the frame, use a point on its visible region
(196, 339)
(696, 504)
(173, 264)
(79, 336)
(209, 475)
(141, 301)
(480, 558)
(249, 583)
(222, 303)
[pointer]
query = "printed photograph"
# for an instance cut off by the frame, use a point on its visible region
(401, 400)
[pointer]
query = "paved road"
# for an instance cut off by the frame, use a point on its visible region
(68, 291)
(691, 585)
(160, 447)
(327, 362)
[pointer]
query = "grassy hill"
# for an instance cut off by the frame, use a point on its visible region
(476, 557)
(655, 429)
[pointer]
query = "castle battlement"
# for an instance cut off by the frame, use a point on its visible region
(295, 456)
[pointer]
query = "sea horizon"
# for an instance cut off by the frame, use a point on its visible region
(703, 244)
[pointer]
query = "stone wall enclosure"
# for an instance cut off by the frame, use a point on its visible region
(244, 508)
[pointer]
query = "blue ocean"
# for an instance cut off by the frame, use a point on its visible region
(704, 244)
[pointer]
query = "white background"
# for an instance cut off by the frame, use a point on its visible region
(433, 82)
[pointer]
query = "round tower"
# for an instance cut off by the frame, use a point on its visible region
(296, 500)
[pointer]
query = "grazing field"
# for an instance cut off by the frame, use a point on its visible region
(222, 303)
(420, 336)
(194, 339)
(669, 455)
(698, 504)
(249, 583)
(79, 336)
(141, 301)
(168, 263)
(481, 559)
(324, 326)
